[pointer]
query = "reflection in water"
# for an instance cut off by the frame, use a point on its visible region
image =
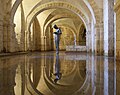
(63, 74)
(57, 69)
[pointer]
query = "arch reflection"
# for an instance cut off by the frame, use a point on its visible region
(79, 74)
(57, 74)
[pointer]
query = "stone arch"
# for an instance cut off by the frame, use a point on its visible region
(52, 20)
(14, 8)
(97, 11)
(73, 33)
(91, 10)
(59, 25)
(64, 40)
(50, 5)
(68, 14)
(36, 35)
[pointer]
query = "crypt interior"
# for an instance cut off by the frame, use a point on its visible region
(89, 49)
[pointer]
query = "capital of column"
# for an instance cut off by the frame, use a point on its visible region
(88, 32)
(89, 26)
(99, 25)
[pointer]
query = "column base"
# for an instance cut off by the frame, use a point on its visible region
(99, 53)
(111, 53)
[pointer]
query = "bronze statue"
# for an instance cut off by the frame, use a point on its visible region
(57, 38)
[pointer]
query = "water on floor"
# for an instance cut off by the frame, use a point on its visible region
(47, 73)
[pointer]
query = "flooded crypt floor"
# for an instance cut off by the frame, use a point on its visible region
(45, 73)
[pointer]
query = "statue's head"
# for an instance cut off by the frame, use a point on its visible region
(55, 26)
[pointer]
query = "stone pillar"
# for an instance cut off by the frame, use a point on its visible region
(43, 40)
(51, 38)
(109, 27)
(29, 41)
(99, 50)
(89, 40)
(1, 28)
(79, 39)
(11, 38)
(5, 47)
(22, 39)
(117, 10)
(48, 39)
(1, 34)
(93, 37)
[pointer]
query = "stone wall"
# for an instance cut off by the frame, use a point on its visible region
(117, 10)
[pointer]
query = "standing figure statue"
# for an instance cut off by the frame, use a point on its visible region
(57, 38)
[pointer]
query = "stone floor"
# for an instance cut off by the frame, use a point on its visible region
(45, 73)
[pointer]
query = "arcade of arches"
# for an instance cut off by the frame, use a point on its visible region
(92, 26)
(27, 26)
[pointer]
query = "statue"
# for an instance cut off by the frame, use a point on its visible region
(57, 38)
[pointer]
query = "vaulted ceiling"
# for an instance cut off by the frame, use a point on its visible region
(79, 11)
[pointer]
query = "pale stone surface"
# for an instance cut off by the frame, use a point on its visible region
(99, 39)
(76, 48)
(117, 10)
(1, 36)
(109, 28)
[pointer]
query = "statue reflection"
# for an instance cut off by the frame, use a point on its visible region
(57, 73)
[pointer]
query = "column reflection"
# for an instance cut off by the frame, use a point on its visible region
(63, 74)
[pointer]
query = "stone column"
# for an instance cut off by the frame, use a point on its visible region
(43, 40)
(11, 38)
(5, 47)
(29, 41)
(79, 39)
(1, 28)
(109, 27)
(48, 39)
(22, 39)
(1, 34)
(99, 50)
(117, 10)
(92, 36)
(89, 42)
(89, 38)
